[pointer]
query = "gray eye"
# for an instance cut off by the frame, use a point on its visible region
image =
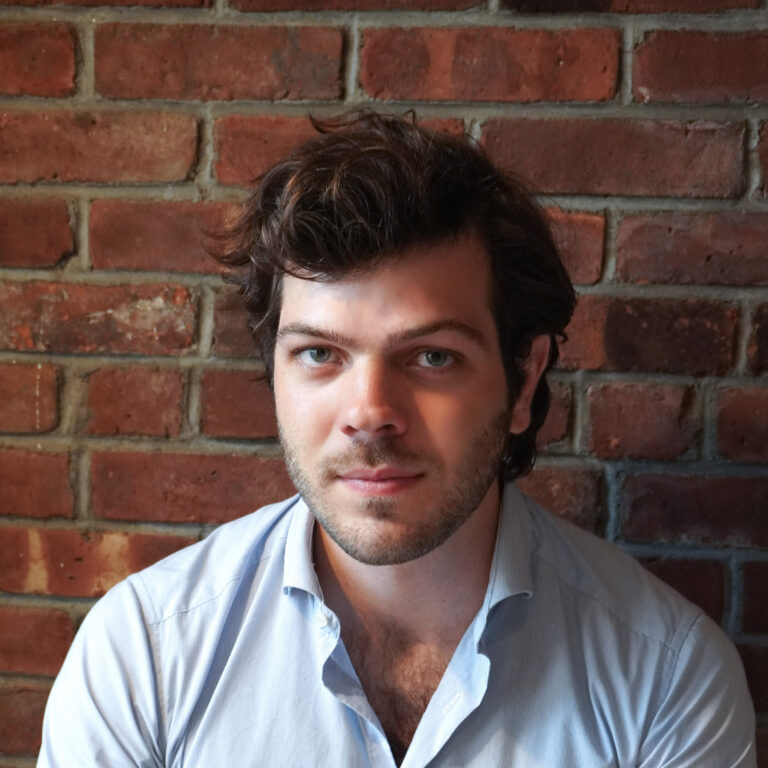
(316, 355)
(436, 358)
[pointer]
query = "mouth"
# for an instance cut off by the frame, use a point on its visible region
(384, 481)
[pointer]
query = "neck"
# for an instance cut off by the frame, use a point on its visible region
(432, 599)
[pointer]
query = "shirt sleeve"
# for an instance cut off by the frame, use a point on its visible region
(104, 707)
(706, 718)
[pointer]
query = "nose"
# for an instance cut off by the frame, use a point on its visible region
(373, 404)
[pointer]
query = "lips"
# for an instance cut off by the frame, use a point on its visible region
(384, 481)
(379, 475)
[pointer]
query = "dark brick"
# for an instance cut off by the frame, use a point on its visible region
(755, 614)
(489, 64)
(22, 703)
(758, 343)
(621, 157)
(755, 660)
(187, 61)
(35, 484)
(715, 248)
(677, 509)
(184, 487)
(237, 404)
(579, 238)
(134, 401)
(34, 233)
(557, 424)
(51, 630)
(231, 337)
(742, 423)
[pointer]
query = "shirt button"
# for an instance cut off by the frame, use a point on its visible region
(322, 620)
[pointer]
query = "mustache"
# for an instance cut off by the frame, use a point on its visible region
(372, 454)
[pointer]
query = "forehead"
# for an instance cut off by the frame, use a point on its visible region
(428, 283)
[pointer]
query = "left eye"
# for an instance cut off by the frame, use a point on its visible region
(315, 355)
(435, 358)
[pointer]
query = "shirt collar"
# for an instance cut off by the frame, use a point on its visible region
(510, 572)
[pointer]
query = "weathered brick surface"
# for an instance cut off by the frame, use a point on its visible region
(247, 146)
(687, 66)
(630, 6)
(352, 5)
(34, 233)
(714, 248)
(487, 64)
(22, 703)
(237, 404)
(207, 62)
(96, 146)
(755, 612)
(621, 157)
(558, 421)
(28, 397)
(742, 423)
(184, 487)
(76, 563)
(134, 401)
(755, 658)
(758, 343)
(640, 420)
(37, 59)
(695, 510)
(579, 237)
(52, 631)
(573, 494)
(762, 155)
(693, 336)
(701, 581)
(116, 3)
(231, 337)
(53, 317)
(35, 484)
(157, 235)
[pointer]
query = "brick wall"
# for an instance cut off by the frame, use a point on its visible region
(131, 417)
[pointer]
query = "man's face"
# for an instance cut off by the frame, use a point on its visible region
(392, 400)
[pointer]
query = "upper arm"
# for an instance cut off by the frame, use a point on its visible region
(104, 708)
(706, 718)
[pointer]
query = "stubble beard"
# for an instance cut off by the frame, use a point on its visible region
(359, 535)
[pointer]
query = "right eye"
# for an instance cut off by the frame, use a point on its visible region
(312, 356)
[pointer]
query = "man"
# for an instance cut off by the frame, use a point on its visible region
(410, 607)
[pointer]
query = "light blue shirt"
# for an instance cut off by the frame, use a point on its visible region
(224, 654)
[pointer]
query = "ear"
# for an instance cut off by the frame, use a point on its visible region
(533, 368)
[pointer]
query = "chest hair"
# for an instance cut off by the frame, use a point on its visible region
(399, 676)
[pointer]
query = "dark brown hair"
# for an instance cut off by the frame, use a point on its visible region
(370, 186)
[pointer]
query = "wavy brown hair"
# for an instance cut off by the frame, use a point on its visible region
(369, 186)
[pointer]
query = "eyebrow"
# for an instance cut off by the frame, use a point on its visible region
(407, 334)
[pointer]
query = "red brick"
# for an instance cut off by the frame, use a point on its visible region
(157, 235)
(742, 423)
(246, 147)
(713, 248)
(37, 59)
(579, 237)
(762, 155)
(22, 703)
(352, 5)
(557, 424)
(28, 398)
(755, 613)
(695, 510)
(76, 563)
(34, 233)
(755, 660)
(134, 401)
(665, 431)
(237, 404)
(117, 3)
(660, 335)
(758, 343)
(621, 157)
(685, 66)
(231, 336)
(573, 494)
(33, 640)
(489, 64)
(35, 484)
(701, 581)
(188, 61)
(629, 6)
(141, 319)
(96, 146)
(184, 488)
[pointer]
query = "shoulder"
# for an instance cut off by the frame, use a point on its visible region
(199, 573)
(617, 587)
